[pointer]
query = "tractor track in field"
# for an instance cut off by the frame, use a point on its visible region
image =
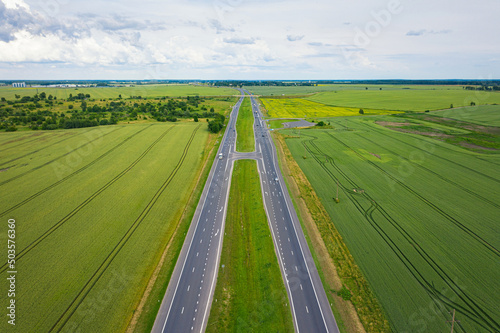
(25, 201)
(447, 216)
(53, 160)
(61, 222)
(494, 204)
(36, 138)
(430, 153)
(80, 297)
(35, 151)
(475, 312)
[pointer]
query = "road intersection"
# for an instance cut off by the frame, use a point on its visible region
(187, 302)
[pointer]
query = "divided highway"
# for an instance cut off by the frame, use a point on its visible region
(187, 302)
(186, 305)
(310, 307)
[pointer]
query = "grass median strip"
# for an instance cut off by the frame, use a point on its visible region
(244, 126)
(250, 295)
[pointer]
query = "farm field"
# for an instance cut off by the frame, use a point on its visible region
(405, 99)
(245, 141)
(304, 90)
(94, 209)
(302, 108)
(250, 293)
(483, 115)
(420, 217)
(170, 90)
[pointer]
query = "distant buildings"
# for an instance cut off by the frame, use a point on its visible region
(19, 84)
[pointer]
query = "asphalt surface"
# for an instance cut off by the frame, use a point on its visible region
(186, 305)
(300, 123)
(310, 307)
(187, 302)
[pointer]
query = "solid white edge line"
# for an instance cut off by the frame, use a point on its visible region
(274, 156)
(282, 268)
(196, 228)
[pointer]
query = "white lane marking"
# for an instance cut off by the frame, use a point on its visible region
(300, 287)
(197, 253)
(193, 270)
(307, 309)
(189, 287)
(182, 311)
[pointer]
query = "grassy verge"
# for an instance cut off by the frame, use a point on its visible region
(337, 268)
(145, 314)
(244, 126)
(250, 295)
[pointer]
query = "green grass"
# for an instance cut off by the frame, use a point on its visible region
(424, 231)
(303, 90)
(174, 90)
(96, 187)
(488, 115)
(244, 128)
(277, 124)
(250, 295)
(302, 108)
(405, 99)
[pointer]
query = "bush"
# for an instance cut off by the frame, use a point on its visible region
(321, 123)
(345, 294)
(11, 129)
(214, 126)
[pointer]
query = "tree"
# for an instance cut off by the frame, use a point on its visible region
(195, 118)
(43, 95)
(84, 106)
(361, 111)
(451, 106)
(70, 106)
(212, 110)
(17, 96)
(321, 123)
(214, 126)
(472, 103)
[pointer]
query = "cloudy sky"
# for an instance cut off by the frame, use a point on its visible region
(249, 39)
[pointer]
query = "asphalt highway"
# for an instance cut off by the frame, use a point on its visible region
(310, 307)
(186, 304)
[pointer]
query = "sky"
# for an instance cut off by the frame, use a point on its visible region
(249, 39)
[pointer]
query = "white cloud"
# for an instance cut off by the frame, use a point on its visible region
(254, 39)
(294, 38)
